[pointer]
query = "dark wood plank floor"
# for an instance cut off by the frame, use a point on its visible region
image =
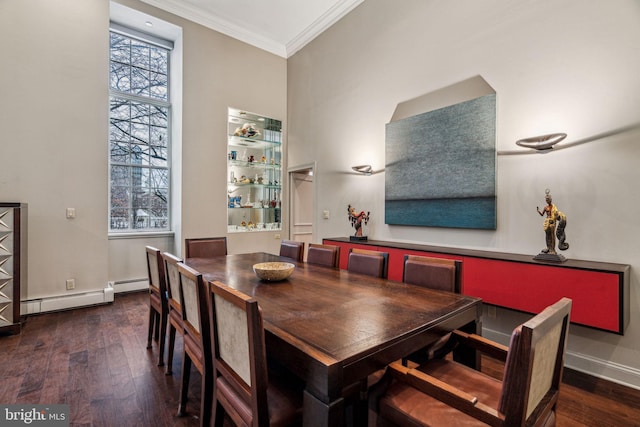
(95, 360)
(588, 401)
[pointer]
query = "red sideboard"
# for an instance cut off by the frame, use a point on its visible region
(599, 290)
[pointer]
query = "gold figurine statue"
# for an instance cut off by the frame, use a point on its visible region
(554, 225)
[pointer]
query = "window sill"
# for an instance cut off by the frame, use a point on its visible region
(140, 234)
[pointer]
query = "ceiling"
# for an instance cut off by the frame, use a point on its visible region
(281, 27)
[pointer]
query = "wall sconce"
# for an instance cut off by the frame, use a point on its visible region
(542, 142)
(363, 169)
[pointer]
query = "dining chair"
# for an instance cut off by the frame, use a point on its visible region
(327, 255)
(174, 291)
(371, 263)
(292, 249)
(443, 392)
(158, 309)
(205, 247)
(197, 341)
(433, 273)
(246, 390)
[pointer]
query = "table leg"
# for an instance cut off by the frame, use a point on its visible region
(467, 355)
(319, 414)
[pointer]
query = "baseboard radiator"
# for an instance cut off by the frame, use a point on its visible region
(67, 302)
(129, 285)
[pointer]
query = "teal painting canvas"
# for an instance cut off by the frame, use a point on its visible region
(441, 167)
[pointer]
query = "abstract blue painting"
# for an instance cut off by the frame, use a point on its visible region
(441, 167)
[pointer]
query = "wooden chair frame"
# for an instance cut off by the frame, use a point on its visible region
(205, 247)
(197, 340)
(253, 394)
(319, 254)
(174, 303)
(524, 400)
(363, 253)
(241, 382)
(427, 269)
(158, 308)
(292, 249)
(433, 260)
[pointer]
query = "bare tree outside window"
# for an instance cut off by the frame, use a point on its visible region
(138, 135)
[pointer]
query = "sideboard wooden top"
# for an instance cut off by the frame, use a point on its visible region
(503, 256)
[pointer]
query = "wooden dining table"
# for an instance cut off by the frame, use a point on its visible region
(333, 328)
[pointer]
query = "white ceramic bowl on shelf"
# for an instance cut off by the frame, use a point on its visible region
(273, 271)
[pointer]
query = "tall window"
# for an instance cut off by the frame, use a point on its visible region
(138, 135)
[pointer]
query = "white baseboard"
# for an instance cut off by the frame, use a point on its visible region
(604, 369)
(130, 285)
(584, 363)
(66, 302)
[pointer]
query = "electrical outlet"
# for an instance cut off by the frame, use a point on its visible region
(71, 284)
(277, 236)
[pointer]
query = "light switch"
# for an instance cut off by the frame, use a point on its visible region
(325, 214)
(71, 213)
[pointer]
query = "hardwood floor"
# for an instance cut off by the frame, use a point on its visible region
(588, 401)
(95, 360)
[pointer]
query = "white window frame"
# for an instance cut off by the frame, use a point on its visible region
(168, 45)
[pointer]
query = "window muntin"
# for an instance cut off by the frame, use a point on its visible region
(139, 135)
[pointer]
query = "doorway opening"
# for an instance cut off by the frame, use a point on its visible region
(302, 197)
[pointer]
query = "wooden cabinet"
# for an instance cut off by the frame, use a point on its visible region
(599, 290)
(13, 264)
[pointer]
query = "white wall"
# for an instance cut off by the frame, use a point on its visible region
(54, 122)
(556, 66)
(53, 117)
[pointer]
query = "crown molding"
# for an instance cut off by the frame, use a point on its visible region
(320, 25)
(243, 34)
(215, 23)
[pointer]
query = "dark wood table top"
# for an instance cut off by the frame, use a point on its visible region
(333, 327)
(338, 313)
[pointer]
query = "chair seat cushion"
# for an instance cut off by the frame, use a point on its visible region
(284, 396)
(175, 318)
(155, 300)
(406, 406)
(193, 348)
(285, 399)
